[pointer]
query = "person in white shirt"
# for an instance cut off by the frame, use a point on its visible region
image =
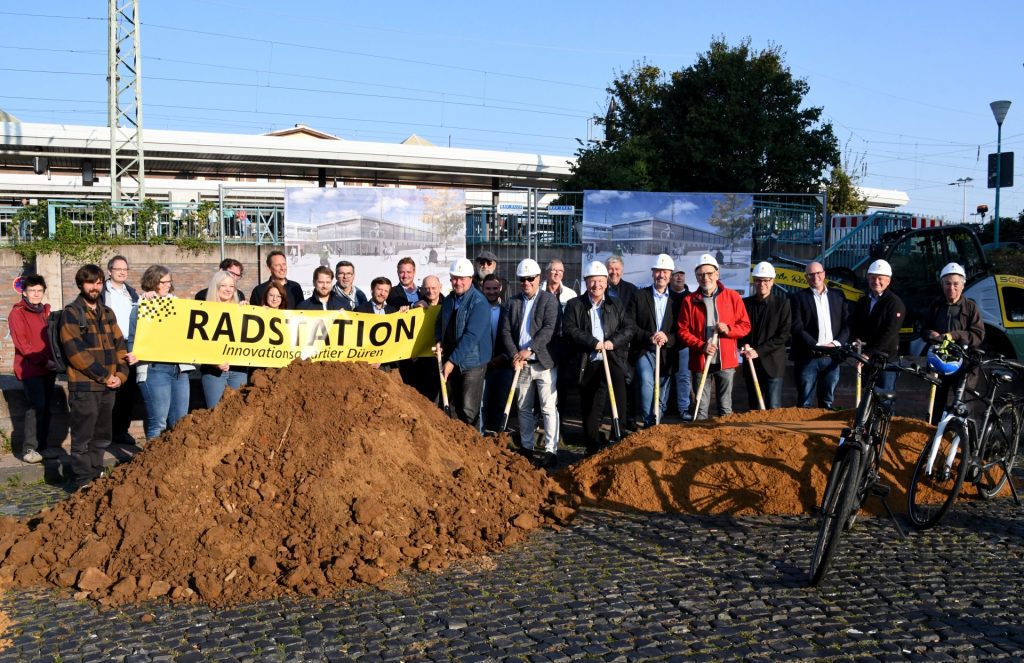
(122, 299)
(820, 322)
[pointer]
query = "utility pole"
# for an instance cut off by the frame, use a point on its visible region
(962, 182)
(124, 99)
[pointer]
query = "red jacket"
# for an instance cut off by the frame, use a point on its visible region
(31, 341)
(693, 319)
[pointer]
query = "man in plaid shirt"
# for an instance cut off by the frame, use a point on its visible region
(96, 355)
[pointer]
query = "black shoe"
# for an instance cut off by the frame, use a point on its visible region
(687, 417)
(547, 460)
(527, 453)
(124, 440)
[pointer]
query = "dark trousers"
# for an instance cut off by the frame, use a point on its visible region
(124, 405)
(497, 383)
(90, 422)
(39, 394)
(422, 375)
(594, 398)
(465, 390)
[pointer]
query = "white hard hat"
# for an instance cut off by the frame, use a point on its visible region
(461, 267)
(953, 268)
(707, 259)
(764, 270)
(881, 268)
(664, 261)
(595, 268)
(528, 267)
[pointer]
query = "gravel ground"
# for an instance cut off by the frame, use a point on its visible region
(610, 587)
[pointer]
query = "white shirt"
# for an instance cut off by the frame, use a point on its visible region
(660, 304)
(121, 303)
(825, 336)
(525, 338)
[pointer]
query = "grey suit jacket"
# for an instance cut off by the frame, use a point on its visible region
(543, 320)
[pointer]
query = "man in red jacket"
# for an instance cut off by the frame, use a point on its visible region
(711, 320)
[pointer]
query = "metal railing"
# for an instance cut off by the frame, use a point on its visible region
(853, 249)
(256, 223)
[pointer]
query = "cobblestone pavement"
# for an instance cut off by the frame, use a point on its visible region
(609, 587)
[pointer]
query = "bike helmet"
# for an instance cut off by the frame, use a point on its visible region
(943, 362)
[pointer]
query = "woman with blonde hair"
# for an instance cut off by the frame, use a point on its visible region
(217, 378)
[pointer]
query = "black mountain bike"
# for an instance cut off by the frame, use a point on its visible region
(961, 449)
(855, 468)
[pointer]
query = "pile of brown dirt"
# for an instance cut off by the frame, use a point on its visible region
(772, 462)
(317, 477)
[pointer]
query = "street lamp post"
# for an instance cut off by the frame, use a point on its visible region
(999, 110)
(962, 182)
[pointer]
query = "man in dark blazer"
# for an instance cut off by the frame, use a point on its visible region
(593, 322)
(378, 304)
(654, 311)
(820, 323)
(877, 318)
(278, 265)
(770, 328)
(527, 329)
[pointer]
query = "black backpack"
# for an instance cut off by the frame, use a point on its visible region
(53, 326)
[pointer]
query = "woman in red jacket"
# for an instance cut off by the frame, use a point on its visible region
(33, 360)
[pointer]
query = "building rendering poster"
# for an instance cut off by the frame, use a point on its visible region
(373, 228)
(638, 225)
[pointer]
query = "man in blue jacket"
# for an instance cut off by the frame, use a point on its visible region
(463, 333)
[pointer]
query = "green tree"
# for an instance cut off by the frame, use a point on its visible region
(843, 195)
(732, 121)
(733, 217)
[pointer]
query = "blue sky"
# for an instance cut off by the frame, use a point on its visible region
(905, 84)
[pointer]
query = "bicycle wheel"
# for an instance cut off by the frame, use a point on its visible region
(840, 494)
(1001, 445)
(932, 493)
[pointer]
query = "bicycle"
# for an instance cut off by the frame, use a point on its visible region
(962, 451)
(855, 467)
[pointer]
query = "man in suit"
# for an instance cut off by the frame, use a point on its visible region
(594, 322)
(378, 304)
(526, 331)
(877, 318)
(654, 311)
(323, 297)
(498, 380)
(770, 327)
(820, 322)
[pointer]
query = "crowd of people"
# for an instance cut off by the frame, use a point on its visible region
(618, 345)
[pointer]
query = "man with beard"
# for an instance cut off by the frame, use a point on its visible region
(323, 297)
(380, 289)
(486, 263)
(351, 297)
(498, 380)
(96, 357)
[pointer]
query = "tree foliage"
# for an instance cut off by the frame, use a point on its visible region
(843, 195)
(732, 121)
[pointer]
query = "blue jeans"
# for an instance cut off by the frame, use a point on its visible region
(645, 378)
(771, 388)
(166, 394)
(818, 375)
(683, 381)
(214, 385)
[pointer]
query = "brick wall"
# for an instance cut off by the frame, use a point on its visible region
(191, 273)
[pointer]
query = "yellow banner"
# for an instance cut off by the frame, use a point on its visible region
(197, 332)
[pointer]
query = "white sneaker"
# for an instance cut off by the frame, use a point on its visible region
(31, 456)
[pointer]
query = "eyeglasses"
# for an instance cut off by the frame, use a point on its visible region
(704, 275)
(119, 269)
(166, 281)
(527, 279)
(237, 275)
(763, 280)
